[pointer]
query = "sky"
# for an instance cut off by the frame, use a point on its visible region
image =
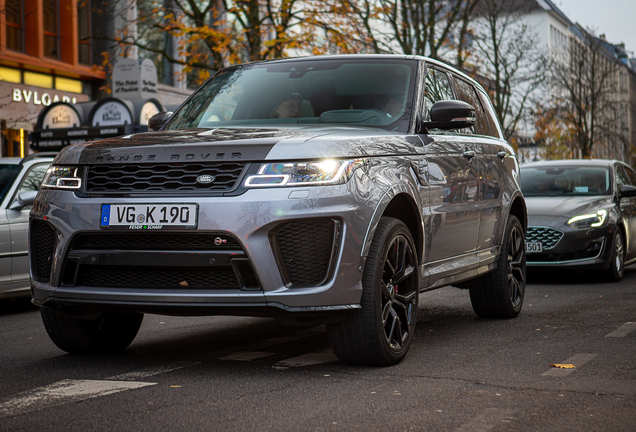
(615, 18)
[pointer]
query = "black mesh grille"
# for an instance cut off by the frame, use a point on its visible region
(306, 249)
(42, 249)
(162, 177)
(549, 237)
(155, 241)
(159, 278)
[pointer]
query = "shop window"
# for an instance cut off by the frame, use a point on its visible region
(68, 85)
(83, 31)
(10, 75)
(51, 28)
(14, 24)
(38, 80)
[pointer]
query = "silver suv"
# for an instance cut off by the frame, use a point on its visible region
(315, 190)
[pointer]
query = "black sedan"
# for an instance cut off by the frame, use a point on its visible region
(581, 214)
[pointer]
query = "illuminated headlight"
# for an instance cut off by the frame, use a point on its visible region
(588, 220)
(62, 177)
(311, 173)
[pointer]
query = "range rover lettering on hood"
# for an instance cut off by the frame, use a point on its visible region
(171, 158)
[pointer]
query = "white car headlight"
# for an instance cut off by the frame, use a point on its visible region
(310, 173)
(588, 220)
(62, 177)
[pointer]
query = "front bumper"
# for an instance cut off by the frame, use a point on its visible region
(588, 248)
(252, 222)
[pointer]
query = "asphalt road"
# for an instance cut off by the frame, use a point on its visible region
(462, 373)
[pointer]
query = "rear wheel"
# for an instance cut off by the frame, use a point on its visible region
(499, 294)
(380, 333)
(110, 333)
(617, 260)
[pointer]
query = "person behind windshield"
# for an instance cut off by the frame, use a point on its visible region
(289, 108)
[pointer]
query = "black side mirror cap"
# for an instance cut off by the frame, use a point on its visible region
(157, 121)
(24, 199)
(627, 191)
(451, 114)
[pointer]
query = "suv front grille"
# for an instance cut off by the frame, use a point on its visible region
(163, 177)
(306, 250)
(159, 278)
(42, 249)
(549, 237)
(158, 260)
(155, 241)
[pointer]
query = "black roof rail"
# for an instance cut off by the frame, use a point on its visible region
(37, 155)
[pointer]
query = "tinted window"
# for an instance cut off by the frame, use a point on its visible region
(491, 116)
(561, 180)
(466, 92)
(437, 88)
(8, 173)
(622, 178)
(33, 180)
(375, 93)
(632, 176)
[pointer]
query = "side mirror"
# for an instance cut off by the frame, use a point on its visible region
(24, 199)
(157, 121)
(451, 114)
(627, 191)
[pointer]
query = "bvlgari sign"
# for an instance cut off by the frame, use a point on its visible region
(134, 79)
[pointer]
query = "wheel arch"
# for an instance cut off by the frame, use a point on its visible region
(400, 204)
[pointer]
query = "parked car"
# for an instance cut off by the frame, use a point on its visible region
(19, 183)
(581, 214)
(318, 190)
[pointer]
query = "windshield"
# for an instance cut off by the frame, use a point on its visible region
(8, 173)
(361, 92)
(564, 180)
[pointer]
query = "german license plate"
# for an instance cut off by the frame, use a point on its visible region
(534, 247)
(149, 216)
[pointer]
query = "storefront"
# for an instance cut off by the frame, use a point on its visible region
(22, 95)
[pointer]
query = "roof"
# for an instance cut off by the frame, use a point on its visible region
(572, 162)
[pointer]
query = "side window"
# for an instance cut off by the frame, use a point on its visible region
(621, 176)
(631, 175)
(466, 92)
(491, 116)
(33, 180)
(437, 88)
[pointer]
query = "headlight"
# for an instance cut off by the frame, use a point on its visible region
(312, 173)
(62, 177)
(588, 220)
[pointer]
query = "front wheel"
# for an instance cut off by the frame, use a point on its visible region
(110, 333)
(380, 333)
(499, 294)
(617, 260)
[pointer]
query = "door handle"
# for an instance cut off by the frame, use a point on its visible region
(502, 154)
(469, 154)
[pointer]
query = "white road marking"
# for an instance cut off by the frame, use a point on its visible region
(144, 373)
(484, 422)
(63, 392)
(307, 360)
(246, 356)
(623, 330)
(576, 359)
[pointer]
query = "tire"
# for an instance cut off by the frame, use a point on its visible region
(499, 294)
(380, 333)
(108, 334)
(617, 260)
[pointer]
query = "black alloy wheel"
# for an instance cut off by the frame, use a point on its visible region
(398, 301)
(380, 333)
(617, 258)
(500, 293)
